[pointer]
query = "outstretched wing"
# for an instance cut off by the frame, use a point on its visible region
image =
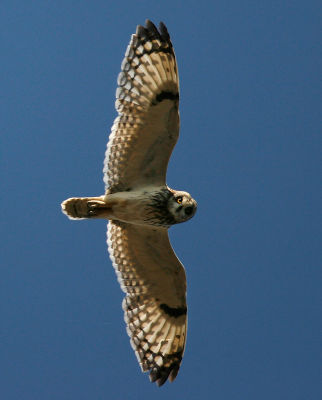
(155, 304)
(147, 100)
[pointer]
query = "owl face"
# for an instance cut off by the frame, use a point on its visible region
(182, 206)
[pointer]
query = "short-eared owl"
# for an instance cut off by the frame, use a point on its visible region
(140, 206)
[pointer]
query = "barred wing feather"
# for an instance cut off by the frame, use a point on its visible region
(155, 304)
(147, 100)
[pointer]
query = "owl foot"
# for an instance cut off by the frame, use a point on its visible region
(97, 209)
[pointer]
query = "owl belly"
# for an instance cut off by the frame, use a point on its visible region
(131, 207)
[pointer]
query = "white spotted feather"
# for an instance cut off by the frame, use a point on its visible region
(140, 206)
(145, 132)
(155, 304)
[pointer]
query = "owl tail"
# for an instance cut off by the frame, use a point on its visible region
(86, 207)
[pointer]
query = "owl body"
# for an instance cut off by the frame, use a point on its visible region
(135, 206)
(149, 205)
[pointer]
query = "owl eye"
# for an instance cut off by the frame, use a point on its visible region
(179, 199)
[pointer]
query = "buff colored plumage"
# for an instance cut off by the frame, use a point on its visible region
(140, 206)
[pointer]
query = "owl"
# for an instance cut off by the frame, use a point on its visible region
(140, 207)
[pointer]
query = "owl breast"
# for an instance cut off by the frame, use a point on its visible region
(147, 206)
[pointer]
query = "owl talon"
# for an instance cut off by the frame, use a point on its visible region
(92, 204)
(97, 208)
(94, 207)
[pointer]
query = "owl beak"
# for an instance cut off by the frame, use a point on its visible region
(191, 209)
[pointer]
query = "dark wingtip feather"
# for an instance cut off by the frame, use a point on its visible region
(141, 31)
(151, 27)
(161, 380)
(174, 372)
(159, 375)
(164, 31)
(150, 30)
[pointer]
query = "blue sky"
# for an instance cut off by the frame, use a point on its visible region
(248, 152)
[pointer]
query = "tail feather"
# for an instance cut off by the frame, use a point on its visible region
(84, 207)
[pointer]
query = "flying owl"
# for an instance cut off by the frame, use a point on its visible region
(141, 207)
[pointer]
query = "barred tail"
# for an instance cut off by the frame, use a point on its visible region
(85, 207)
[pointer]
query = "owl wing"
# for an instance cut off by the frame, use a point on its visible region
(155, 304)
(147, 100)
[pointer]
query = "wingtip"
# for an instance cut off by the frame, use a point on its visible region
(151, 30)
(151, 27)
(161, 375)
(164, 31)
(141, 31)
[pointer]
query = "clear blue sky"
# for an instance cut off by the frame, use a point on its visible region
(248, 152)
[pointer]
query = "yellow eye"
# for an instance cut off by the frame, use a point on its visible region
(179, 200)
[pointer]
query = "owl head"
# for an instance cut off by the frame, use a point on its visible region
(182, 206)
